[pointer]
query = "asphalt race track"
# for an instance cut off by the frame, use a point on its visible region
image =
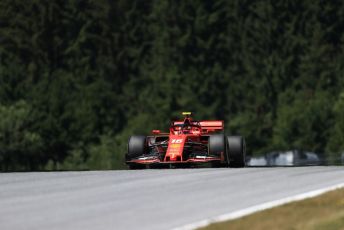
(146, 199)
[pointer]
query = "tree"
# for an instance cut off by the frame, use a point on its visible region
(20, 145)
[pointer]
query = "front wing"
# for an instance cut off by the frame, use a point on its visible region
(146, 160)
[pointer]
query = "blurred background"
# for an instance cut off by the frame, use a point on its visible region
(78, 77)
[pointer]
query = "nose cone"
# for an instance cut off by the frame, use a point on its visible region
(175, 148)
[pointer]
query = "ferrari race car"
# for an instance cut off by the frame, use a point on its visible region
(188, 143)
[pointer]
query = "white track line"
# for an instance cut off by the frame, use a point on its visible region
(257, 208)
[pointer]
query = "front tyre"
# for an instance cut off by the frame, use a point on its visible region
(137, 146)
(236, 151)
(217, 147)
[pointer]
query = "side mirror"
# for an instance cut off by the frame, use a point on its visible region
(156, 131)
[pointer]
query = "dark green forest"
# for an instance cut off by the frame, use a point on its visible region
(78, 77)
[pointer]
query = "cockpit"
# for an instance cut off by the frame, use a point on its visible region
(185, 127)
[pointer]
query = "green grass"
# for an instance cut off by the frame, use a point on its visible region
(325, 212)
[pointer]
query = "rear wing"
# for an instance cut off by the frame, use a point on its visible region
(215, 125)
(206, 125)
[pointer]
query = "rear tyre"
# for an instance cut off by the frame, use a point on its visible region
(217, 147)
(137, 146)
(236, 151)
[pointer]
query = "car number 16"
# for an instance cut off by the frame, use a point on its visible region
(176, 141)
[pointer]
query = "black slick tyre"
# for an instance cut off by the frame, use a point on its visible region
(236, 151)
(137, 146)
(217, 147)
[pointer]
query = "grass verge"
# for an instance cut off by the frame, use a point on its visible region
(325, 212)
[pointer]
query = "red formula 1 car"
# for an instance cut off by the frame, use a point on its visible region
(188, 143)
